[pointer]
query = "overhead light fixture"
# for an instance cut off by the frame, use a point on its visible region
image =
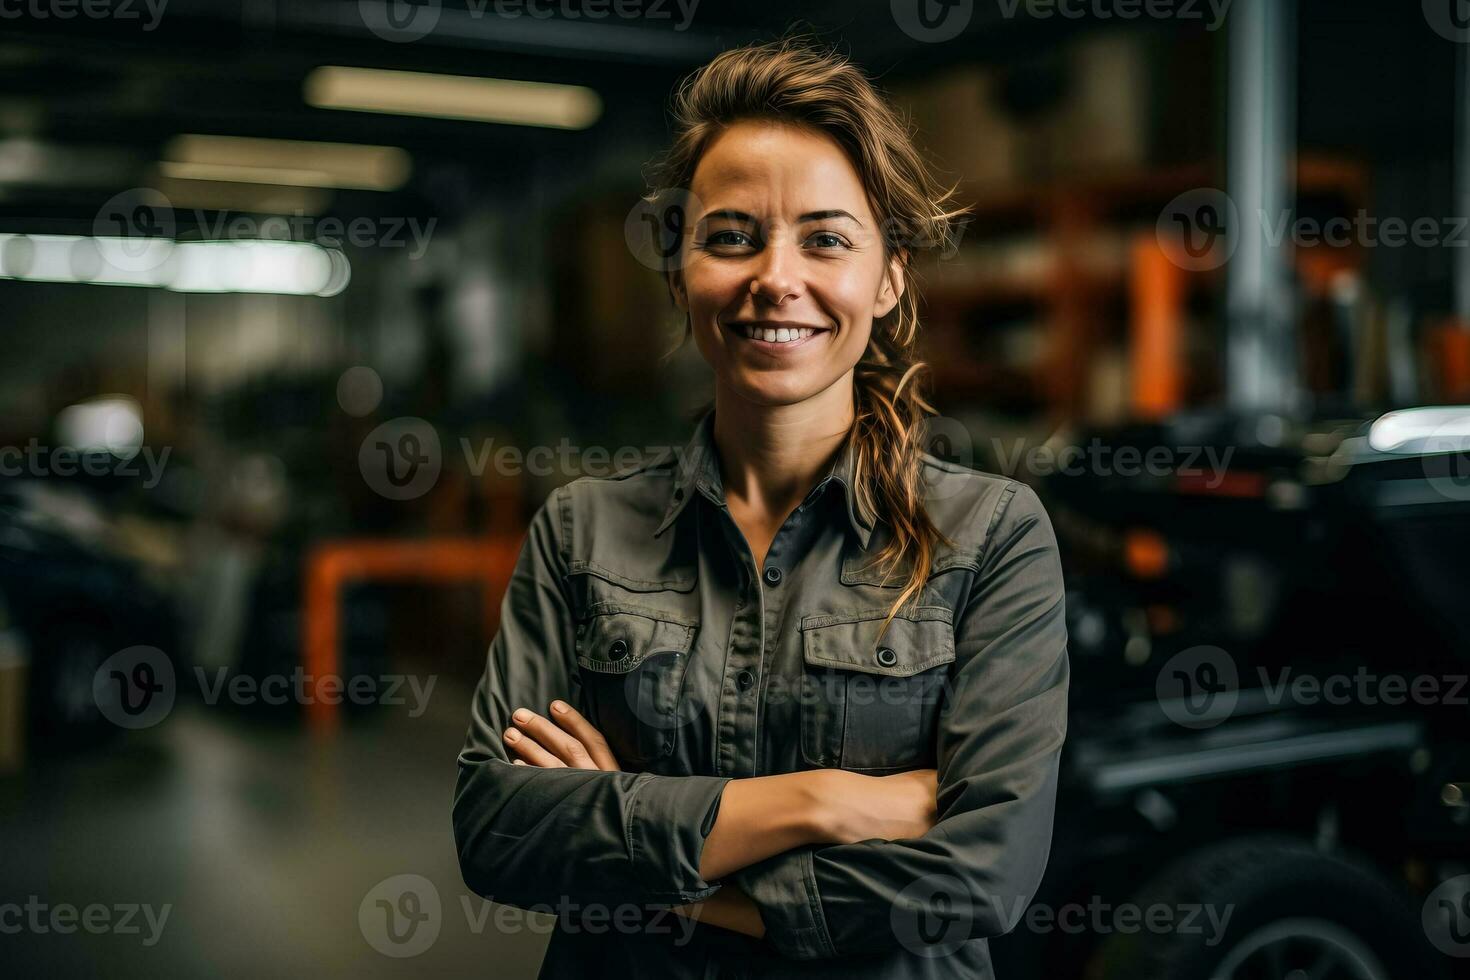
(1426, 429)
(494, 100)
(234, 266)
(293, 163)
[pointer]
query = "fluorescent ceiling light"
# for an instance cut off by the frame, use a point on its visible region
(293, 163)
(244, 266)
(113, 423)
(495, 100)
(1430, 429)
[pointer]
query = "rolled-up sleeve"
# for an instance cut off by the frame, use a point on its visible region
(999, 746)
(533, 837)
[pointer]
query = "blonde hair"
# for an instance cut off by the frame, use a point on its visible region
(794, 81)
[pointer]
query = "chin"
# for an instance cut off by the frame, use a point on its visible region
(773, 392)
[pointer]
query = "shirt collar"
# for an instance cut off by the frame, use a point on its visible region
(697, 469)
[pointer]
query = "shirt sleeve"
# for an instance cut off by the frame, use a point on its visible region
(999, 747)
(532, 837)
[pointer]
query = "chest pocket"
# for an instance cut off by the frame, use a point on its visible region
(633, 660)
(871, 705)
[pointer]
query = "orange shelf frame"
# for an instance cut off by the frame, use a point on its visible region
(332, 564)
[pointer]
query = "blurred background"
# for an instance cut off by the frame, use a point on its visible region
(290, 291)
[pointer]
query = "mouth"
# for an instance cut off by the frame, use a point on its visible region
(775, 337)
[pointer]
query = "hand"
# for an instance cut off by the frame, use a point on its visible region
(566, 741)
(859, 807)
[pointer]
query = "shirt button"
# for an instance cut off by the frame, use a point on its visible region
(773, 575)
(887, 657)
(618, 649)
(745, 678)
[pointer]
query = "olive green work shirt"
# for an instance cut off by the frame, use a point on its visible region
(636, 598)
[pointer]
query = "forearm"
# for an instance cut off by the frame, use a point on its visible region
(729, 908)
(762, 816)
(529, 836)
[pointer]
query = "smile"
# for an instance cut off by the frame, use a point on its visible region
(782, 338)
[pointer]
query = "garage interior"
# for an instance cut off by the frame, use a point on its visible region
(247, 247)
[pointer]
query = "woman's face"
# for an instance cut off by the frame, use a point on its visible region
(781, 238)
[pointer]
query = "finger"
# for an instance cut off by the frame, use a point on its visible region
(572, 721)
(528, 749)
(553, 739)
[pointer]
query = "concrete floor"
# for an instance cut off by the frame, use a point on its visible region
(265, 845)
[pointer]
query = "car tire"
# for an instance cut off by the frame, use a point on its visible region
(1291, 908)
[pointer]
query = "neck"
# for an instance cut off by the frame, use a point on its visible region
(772, 455)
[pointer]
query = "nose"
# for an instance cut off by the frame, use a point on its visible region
(776, 277)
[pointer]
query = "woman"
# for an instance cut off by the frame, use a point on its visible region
(789, 702)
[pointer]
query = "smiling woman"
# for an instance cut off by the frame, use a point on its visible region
(802, 682)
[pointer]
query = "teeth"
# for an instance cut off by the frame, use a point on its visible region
(783, 335)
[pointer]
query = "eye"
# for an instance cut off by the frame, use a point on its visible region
(728, 238)
(828, 239)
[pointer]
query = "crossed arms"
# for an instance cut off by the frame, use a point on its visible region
(813, 861)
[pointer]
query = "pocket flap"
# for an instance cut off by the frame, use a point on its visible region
(662, 580)
(615, 637)
(849, 641)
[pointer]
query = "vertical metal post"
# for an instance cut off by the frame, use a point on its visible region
(1261, 355)
(1462, 182)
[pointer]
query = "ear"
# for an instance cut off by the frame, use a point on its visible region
(892, 287)
(676, 288)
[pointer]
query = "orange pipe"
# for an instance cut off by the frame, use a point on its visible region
(1158, 330)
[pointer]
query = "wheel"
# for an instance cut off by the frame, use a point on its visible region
(1295, 913)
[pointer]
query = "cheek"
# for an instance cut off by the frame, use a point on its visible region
(848, 297)
(711, 287)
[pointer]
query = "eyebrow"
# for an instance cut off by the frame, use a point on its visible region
(734, 215)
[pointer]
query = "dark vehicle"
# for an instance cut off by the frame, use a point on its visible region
(1270, 736)
(73, 604)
